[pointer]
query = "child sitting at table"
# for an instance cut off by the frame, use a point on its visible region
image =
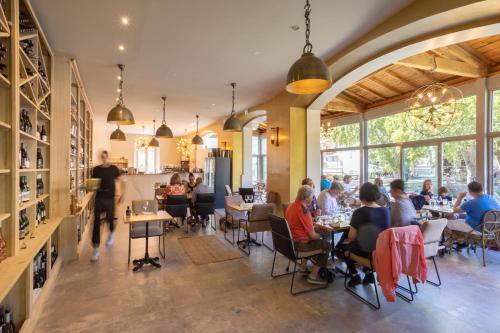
(443, 194)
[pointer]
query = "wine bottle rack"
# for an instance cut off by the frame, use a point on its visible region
(26, 85)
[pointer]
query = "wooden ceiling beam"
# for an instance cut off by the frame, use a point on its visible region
(384, 85)
(337, 105)
(371, 91)
(477, 54)
(359, 98)
(465, 56)
(401, 79)
(441, 65)
(342, 97)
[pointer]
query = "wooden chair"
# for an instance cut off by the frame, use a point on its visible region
(489, 234)
(257, 222)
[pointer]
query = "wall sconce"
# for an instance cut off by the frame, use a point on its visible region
(275, 136)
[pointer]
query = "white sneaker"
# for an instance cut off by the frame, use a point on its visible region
(111, 239)
(95, 255)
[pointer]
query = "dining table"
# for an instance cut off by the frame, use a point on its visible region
(244, 207)
(146, 218)
(442, 210)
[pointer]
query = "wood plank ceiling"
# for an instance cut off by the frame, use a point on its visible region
(453, 64)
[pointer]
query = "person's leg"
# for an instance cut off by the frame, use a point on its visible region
(110, 217)
(459, 225)
(321, 260)
(96, 231)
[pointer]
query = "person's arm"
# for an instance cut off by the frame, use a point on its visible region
(458, 203)
(123, 186)
(308, 226)
(353, 230)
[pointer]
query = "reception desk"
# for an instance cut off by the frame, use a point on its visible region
(141, 186)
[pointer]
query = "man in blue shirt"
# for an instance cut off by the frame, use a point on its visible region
(325, 183)
(474, 209)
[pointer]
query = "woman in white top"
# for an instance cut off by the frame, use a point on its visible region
(327, 199)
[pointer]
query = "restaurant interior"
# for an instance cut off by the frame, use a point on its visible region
(249, 166)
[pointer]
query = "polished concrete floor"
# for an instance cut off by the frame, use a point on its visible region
(240, 296)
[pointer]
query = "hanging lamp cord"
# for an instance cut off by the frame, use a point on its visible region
(232, 108)
(164, 99)
(120, 86)
(308, 47)
(197, 116)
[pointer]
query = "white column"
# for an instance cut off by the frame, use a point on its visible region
(313, 154)
(481, 130)
(246, 176)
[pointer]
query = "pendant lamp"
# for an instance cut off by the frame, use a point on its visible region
(154, 142)
(309, 74)
(118, 135)
(197, 140)
(232, 124)
(164, 132)
(120, 114)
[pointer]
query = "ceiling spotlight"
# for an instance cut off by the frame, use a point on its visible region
(294, 27)
(125, 20)
(121, 47)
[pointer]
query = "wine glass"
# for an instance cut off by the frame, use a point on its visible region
(145, 207)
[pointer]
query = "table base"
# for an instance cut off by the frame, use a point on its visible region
(139, 263)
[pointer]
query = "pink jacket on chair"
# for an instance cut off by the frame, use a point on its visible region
(399, 250)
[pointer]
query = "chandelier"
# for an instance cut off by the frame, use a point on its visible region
(141, 142)
(434, 108)
(185, 148)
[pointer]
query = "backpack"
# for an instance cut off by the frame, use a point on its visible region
(418, 201)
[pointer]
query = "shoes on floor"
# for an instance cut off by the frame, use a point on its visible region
(111, 239)
(95, 255)
(317, 280)
(303, 271)
(354, 281)
(368, 279)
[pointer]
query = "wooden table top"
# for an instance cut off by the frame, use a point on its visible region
(438, 209)
(141, 218)
(332, 229)
(243, 207)
(161, 197)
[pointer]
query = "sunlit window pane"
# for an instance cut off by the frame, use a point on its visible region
(340, 136)
(459, 165)
(383, 163)
(341, 163)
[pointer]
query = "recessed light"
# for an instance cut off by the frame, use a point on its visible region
(119, 77)
(213, 104)
(121, 47)
(124, 20)
(294, 27)
(118, 90)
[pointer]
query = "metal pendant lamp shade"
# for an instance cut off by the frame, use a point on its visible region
(197, 140)
(164, 132)
(118, 135)
(232, 124)
(120, 114)
(309, 74)
(154, 142)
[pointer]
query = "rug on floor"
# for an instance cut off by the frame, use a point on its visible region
(208, 249)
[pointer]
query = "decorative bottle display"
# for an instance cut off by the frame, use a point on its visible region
(43, 134)
(39, 158)
(23, 224)
(7, 321)
(25, 122)
(23, 157)
(3, 52)
(40, 213)
(53, 254)
(24, 189)
(39, 185)
(40, 269)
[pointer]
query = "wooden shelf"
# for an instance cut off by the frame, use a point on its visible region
(43, 114)
(27, 170)
(4, 126)
(4, 216)
(28, 35)
(32, 202)
(4, 82)
(4, 171)
(25, 99)
(45, 143)
(27, 136)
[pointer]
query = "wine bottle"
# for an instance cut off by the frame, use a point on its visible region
(23, 155)
(39, 158)
(39, 185)
(9, 326)
(53, 254)
(43, 134)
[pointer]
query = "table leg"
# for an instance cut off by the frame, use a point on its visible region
(139, 263)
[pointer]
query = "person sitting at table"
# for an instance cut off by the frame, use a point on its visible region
(427, 191)
(199, 188)
(191, 184)
(313, 206)
(175, 187)
(473, 209)
(380, 184)
(325, 183)
(328, 199)
(305, 238)
(349, 189)
(366, 224)
(403, 212)
(443, 194)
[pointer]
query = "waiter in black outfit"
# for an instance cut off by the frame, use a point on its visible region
(105, 201)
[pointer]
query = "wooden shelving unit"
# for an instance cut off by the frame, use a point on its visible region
(26, 83)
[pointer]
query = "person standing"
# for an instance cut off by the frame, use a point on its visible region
(105, 201)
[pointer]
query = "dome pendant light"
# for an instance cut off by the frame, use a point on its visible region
(154, 142)
(197, 140)
(118, 135)
(232, 124)
(119, 114)
(164, 132)
(309, 74)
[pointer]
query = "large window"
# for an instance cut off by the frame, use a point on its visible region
(337, 164)
(210, 140)
(459, 165)
(496, 167)
(340, 136)
(384, 163)
(259, 159)
(495, 145)
(419, 164)
(496, 111)
(147, 159)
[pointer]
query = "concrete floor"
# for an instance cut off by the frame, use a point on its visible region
(240, 296)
